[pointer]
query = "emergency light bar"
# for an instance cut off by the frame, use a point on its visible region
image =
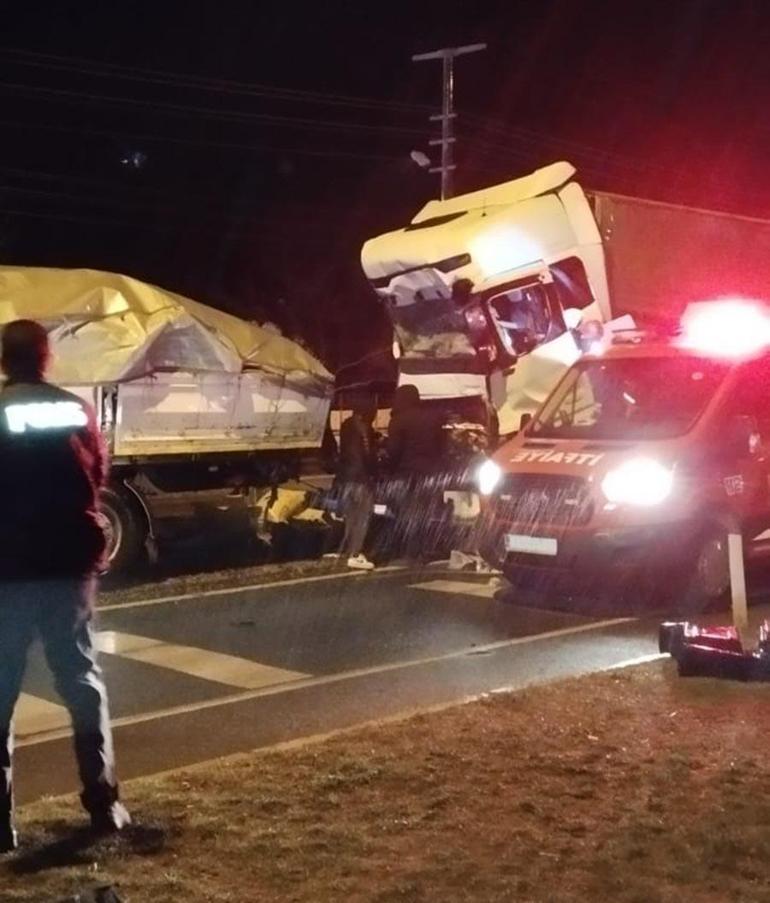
(730, 327)
(725, 327)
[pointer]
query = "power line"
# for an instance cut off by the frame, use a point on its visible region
(140, 207)
(523, 137)
(502, 152)
(201, 142)
(298, 122)
(32, 175)
(199, 228)
(184, 80)
(111, 70)
(538, 138)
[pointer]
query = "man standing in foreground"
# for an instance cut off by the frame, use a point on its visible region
(52, 466)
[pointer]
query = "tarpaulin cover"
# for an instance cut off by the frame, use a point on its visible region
(110, 328)
(660, 257)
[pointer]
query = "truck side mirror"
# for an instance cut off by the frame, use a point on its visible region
(588, 334)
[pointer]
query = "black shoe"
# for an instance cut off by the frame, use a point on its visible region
(9, 839)
(111, 820)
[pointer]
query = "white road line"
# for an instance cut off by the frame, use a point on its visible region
(616, 666)
(458, 587)
(203, 663)
(336, 678)
(252, 587)
(639, 660)
(34, 715)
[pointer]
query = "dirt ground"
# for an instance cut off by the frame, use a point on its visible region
(625, 786)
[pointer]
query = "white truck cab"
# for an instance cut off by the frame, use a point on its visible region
(477, 282)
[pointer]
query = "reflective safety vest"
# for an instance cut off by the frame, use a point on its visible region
(52, 466)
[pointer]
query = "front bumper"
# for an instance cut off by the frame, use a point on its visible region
(589, 555)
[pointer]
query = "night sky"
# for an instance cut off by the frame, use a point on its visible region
(241, 152)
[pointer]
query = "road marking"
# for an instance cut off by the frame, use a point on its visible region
(252, 587)
(616, 666)
(34, 715)
(458, 587)
(335, 678)
(202, 663)
(639, 660)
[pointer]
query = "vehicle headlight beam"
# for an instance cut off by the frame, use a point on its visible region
(487, 477)
(640, 481)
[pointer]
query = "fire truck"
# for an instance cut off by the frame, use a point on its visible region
(645, 455)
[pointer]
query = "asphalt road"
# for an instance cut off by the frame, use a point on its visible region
(200, 676)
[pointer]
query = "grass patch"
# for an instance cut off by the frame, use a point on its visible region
(634, 787)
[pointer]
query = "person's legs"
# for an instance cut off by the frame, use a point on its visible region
(358, 515)
(17, 619)
(65, 628)
(359, 502)
(415, 517)
(346, 506)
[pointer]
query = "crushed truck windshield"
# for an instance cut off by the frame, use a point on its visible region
(431, 328)
(630, 398)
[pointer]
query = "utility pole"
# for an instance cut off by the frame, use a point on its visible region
(447, 116)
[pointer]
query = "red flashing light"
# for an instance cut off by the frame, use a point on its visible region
(729, 327)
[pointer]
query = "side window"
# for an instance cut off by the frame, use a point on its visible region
(752, 396)
(534, 308)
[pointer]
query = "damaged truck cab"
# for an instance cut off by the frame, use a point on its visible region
(474, 284)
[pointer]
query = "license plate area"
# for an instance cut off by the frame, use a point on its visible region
(531, 545)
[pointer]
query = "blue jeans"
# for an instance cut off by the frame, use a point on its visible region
(59, 612)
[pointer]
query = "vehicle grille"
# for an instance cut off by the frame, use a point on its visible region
(544, 499)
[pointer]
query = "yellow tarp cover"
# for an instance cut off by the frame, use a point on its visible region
(108, 328)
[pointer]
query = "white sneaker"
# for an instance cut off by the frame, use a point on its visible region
(332, 556)
(360, 563)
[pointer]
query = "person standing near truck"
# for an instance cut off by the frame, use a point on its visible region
(52, 466)
(356, 475)
(415, 452)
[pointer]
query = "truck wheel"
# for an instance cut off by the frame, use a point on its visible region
(707, 583)
(126, 529)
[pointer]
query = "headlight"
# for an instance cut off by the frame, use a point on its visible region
(488, 477)
(640, 481)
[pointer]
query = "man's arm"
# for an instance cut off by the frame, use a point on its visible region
(97, 461)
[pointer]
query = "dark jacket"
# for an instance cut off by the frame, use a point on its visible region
(52, 467)
(358, 451)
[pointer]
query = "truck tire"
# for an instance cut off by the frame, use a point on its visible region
(706, 583)
(126, 528)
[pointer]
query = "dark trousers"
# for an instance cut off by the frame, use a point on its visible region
(415, 529)
(357, 507)
(59, 612)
